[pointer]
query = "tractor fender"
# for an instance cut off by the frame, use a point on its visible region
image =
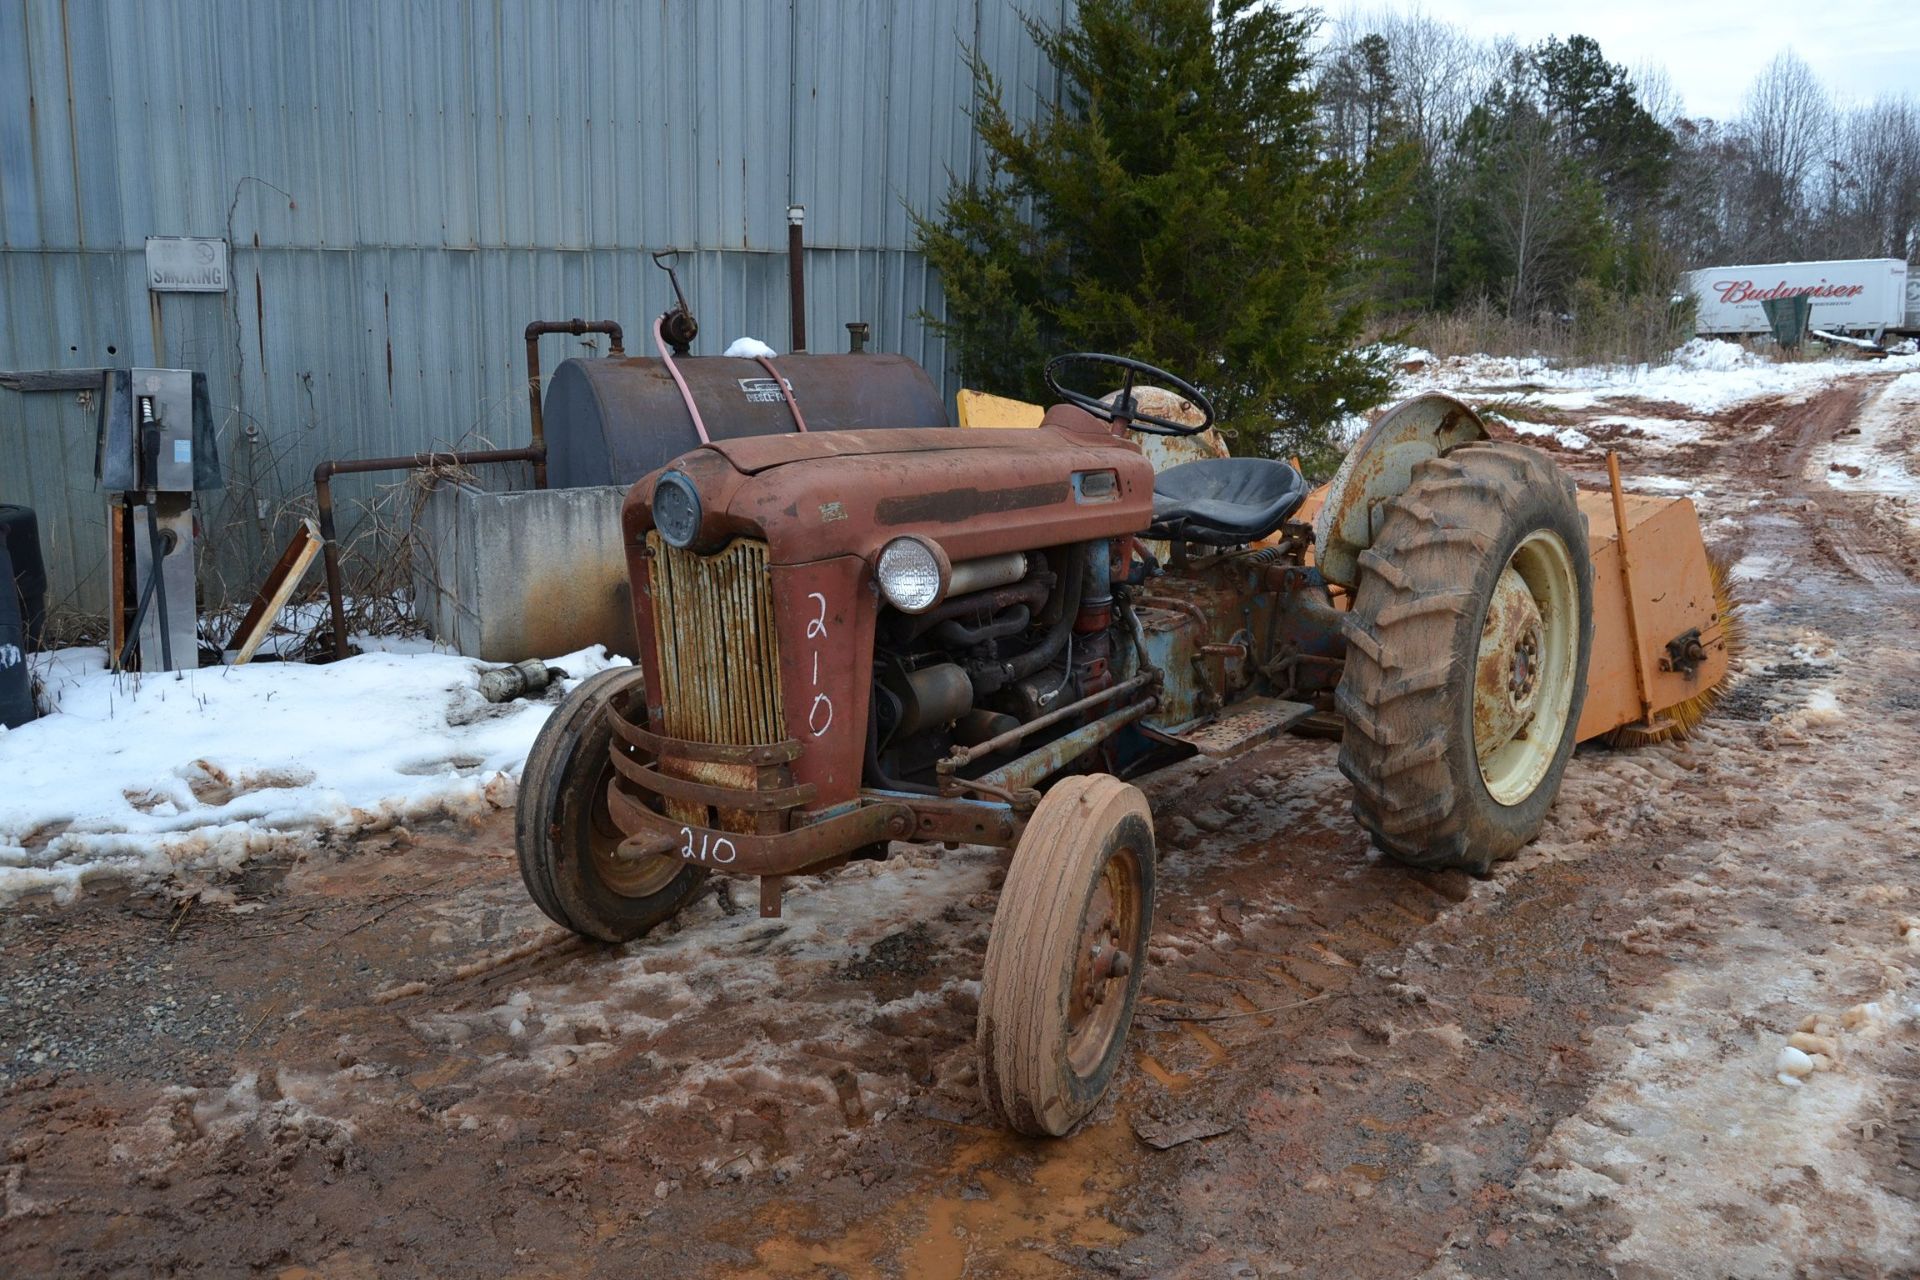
(1378, 468)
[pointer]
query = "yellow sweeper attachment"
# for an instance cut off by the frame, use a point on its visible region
(1664, 625)
(1665, 628)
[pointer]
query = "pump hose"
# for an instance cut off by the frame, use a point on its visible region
(157, 582)
(699, 425)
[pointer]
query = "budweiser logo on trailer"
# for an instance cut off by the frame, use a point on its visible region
(1866, 295)
(1744, 291)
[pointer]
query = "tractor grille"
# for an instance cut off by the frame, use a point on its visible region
(719, 649)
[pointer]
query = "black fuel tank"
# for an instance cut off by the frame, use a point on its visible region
(613, 421)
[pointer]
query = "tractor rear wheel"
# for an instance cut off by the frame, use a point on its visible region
(566, 837)
(1467, 651)
(1066, 955)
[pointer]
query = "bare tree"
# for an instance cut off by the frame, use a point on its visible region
(1872, 206)
(1787, 127)
(1439, 73)
(1655, 89)
(1532, 216)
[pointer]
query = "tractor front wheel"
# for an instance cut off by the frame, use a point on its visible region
(1467, 651)
(566, 837)
(1066, 955)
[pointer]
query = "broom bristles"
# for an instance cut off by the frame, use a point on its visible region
(1685, 716)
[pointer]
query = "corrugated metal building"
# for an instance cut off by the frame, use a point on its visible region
(405, 183)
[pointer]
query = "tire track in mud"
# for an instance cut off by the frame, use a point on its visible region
(1839, 525)
(1332, 1052)
(1690, 1158)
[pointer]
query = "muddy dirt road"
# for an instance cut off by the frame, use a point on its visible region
(377, 1059)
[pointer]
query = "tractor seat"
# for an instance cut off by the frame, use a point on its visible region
(1224, 502)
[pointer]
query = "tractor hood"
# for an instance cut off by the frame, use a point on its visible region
(977, 493)
(752, 455)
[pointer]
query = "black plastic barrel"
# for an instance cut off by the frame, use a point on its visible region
(20, 537)
(16, 684)
(613, 421)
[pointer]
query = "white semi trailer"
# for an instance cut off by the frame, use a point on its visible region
(1859, 295)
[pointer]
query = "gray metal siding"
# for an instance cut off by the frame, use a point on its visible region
(405, 183)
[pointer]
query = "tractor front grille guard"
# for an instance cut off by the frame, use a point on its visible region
(730, 806)
(713, 623)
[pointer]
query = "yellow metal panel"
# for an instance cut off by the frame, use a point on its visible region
(978, 409)
(1675, 585)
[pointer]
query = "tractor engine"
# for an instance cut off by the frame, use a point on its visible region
(1024, 633)
(877, 600)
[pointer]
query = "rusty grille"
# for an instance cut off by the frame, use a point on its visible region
(719, 649)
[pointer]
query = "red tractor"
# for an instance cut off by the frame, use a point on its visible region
(856, 637)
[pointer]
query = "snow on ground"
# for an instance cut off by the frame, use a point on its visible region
(137, 775)
(1881, 454)
(1704, 377)
(1717, 1162)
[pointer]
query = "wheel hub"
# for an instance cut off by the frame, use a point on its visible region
(1507, 676)
(1524, 672)
(1110, 933)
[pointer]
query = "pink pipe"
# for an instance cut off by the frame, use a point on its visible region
(698, 424)
(785, 390)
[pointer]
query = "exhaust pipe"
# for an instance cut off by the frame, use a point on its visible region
(797, 275)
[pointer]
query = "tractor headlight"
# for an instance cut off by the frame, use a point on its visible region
(913, 574)
(676, 508)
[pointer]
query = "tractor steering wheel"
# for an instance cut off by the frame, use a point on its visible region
(1122, 410)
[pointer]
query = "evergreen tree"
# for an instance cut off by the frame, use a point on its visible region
(1179, 206)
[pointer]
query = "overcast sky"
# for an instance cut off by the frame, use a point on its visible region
(1859, 48)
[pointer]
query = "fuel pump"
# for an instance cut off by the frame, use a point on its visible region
(155, 450)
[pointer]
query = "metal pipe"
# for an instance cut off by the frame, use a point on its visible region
(1643, 683)
(984, 604)
(1045, 761)
(1000, 742)
(617, 347)
(959, 635)
(986, 573)
(797, 275)
(991, 676)
(323, 474)
(1175, 606)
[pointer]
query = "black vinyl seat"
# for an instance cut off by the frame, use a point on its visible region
(1224, 502)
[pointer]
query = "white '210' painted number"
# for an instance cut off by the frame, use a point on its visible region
(712, 848)
(820, 714)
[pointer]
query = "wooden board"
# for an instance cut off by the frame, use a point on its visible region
(116, 582)
(274, 592)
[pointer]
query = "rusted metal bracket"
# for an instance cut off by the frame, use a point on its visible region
(757, 800)
(751, 853)
(964, 821)
(1685, 653)
(761, 754)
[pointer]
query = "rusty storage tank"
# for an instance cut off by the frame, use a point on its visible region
(611, 421)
